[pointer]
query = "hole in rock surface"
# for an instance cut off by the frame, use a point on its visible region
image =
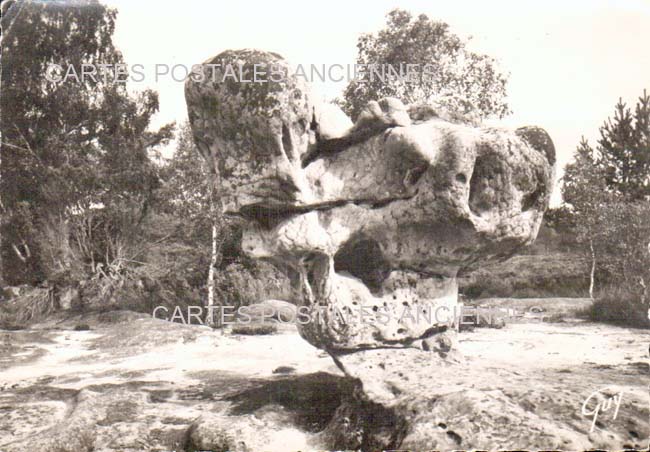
(317, 268)
(533, 188)
(415, 174)
(455, 437)
(364, 259)
(487, 184)
(287, 143)
(531, 200)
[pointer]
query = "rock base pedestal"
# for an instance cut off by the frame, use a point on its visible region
(375, 219)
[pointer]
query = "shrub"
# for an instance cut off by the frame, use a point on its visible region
(558, 317)
(255, 329)
(484, 287)
(8, 322)
(620, 305)
(529, 276)
(247, 282)
(32, 304)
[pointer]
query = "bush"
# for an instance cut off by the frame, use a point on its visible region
(529, 276)
(620, 305)
(255, 329)
(248, 282)
(111, 261)
(8, 322)
(31, 305)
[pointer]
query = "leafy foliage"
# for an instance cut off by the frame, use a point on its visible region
(255, 329)
(461, 81)
(619, 305)
(69, 149)
(624, 150)
(186, 191)
(608, 189)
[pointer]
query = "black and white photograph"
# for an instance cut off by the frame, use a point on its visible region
(279, 226)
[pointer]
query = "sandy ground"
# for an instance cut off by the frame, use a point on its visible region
(163, 376)
(81, 353)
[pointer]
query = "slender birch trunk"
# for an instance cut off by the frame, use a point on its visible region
(644, 290)
(213, 314)
(593, 269)
(211, 271)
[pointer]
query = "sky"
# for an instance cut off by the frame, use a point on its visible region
(569, 61)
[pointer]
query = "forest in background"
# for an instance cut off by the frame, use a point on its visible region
(93, 216)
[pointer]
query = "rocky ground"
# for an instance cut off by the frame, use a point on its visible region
(131, 383)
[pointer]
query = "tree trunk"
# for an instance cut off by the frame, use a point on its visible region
(213, 317)
(644, 290)
(210, 320)
(593, 269)
(2, 269)
(20, 255)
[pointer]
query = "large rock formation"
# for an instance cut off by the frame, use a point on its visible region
(374, 220)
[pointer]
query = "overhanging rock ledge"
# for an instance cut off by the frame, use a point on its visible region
(373, 220)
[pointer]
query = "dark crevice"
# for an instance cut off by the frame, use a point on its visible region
(415, 174)
(427, 274)
(364, 259)
(269, 216)
(377, 204)
(486, 183)
(390, 344)
(333, 146)
(287, 142)
(455, 437)
(313, 125)
(317, 266)
(532, 199)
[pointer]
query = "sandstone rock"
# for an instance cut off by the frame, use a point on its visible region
(242, 434)
(331, 121)
(376, 221)
(254, 133)
(207, 433)
(377, 227)
(268, 310)
(450, 405)
(443, 344)
(388, 112)
(168, 385)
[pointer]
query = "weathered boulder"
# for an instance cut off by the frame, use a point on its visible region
(376, 220)
(382, 216)
(255, 133)
(268, 310)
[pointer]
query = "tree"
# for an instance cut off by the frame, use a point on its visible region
(626, 243)
(192, 192)
(459, 80)
(67, 148)
(584, 188)
(609, 190)
(624, 150)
